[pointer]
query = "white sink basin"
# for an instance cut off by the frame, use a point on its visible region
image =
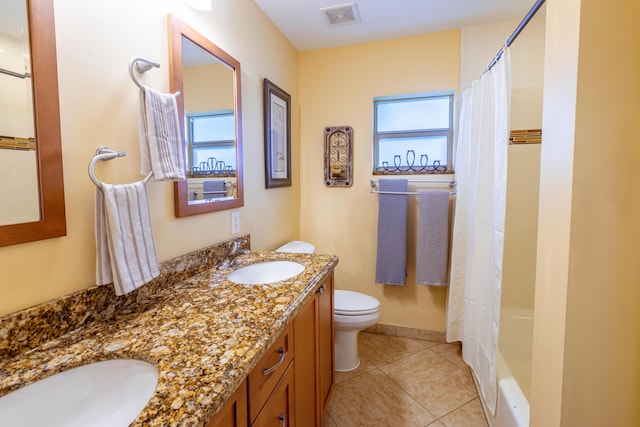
(266, 272)
(106, 394)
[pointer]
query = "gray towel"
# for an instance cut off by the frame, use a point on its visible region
(433, 238)
(213, 189)
(125, 251)
(391, 262)
(160, 136)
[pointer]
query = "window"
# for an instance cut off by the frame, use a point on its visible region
(212, 142)
(413, 133)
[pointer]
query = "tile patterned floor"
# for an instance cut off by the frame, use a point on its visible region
(404, 382)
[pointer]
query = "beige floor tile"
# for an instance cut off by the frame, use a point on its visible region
(380, 350)
(436, 424)
(365, 366)
(468, 415)
(452, 352)
(436, 383)
(372, 399)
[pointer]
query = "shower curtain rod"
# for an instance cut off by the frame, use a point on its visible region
(515, 33)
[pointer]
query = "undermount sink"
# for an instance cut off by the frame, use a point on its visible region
(102, 394)
(266, 272)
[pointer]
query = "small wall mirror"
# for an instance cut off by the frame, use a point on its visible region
(209, 81)
(31, 182)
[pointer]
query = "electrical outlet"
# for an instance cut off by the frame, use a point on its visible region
(235, 222)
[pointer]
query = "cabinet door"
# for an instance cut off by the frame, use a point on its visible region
(234, 412)
(326, 356)
(306, 369)
(279, 409)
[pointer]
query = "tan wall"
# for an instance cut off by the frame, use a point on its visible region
(587, 315)
(99, 106)
(337, 87)
(209, 88)
(479, 45)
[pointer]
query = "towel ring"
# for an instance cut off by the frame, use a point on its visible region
(104, 153)
(142, 65)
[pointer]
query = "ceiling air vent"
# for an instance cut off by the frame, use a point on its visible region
(341, 15)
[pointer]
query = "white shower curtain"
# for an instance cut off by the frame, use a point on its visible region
(473, 311)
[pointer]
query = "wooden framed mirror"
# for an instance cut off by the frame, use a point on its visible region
(41, 69)
(210, 104)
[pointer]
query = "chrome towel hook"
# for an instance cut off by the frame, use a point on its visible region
(140, 65)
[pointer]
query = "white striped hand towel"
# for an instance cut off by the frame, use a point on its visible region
(125, 251)
(160, 137)
(433, 238)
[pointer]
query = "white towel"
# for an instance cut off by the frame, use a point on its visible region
(160, 137)
(433, 238)
(125, 251)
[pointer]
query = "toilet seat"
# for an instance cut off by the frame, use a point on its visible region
(350, 303)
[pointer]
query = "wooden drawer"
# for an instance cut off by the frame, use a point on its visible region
(265, 376)
(279, 411)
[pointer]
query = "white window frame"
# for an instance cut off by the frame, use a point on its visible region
(448, 132)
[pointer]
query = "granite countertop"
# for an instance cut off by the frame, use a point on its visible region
(204, 333)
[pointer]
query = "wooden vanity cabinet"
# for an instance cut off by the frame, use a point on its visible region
(234, 411)
(291, 384)
(314, 360)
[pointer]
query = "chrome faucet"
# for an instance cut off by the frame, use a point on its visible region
(234, 253)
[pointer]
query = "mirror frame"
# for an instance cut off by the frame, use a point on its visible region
(44, 68)
(178, 29)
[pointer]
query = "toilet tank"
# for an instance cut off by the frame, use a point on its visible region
(297, 246)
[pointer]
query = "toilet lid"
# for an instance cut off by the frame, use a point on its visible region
(297, 246)
(350, 303)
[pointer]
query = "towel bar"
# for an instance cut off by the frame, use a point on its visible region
(374, 183)
(409, 193)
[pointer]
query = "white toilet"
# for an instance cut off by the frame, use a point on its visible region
(352, 312)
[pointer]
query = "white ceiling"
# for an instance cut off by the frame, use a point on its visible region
(304, 25)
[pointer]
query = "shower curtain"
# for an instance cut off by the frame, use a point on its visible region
(473, 310)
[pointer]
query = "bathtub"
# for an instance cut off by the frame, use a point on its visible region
(513, 367)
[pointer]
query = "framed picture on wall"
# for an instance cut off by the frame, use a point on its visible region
(277, 136)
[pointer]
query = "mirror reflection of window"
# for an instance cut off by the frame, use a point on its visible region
(211, 143)
(209, 80)
(210, 130)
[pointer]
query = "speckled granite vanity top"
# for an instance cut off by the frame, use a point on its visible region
(203, 332)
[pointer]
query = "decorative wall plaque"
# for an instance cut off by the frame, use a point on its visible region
(338, 156)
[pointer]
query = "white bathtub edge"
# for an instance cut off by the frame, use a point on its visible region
(512, 409)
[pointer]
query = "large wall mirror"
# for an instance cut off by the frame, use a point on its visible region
(209, 80)
(31, 181)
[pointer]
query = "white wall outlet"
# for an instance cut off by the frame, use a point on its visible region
(235, 222)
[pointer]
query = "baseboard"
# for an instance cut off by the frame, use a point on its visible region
(403, 331)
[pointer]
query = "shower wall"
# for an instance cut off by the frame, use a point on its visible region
(479, 44)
